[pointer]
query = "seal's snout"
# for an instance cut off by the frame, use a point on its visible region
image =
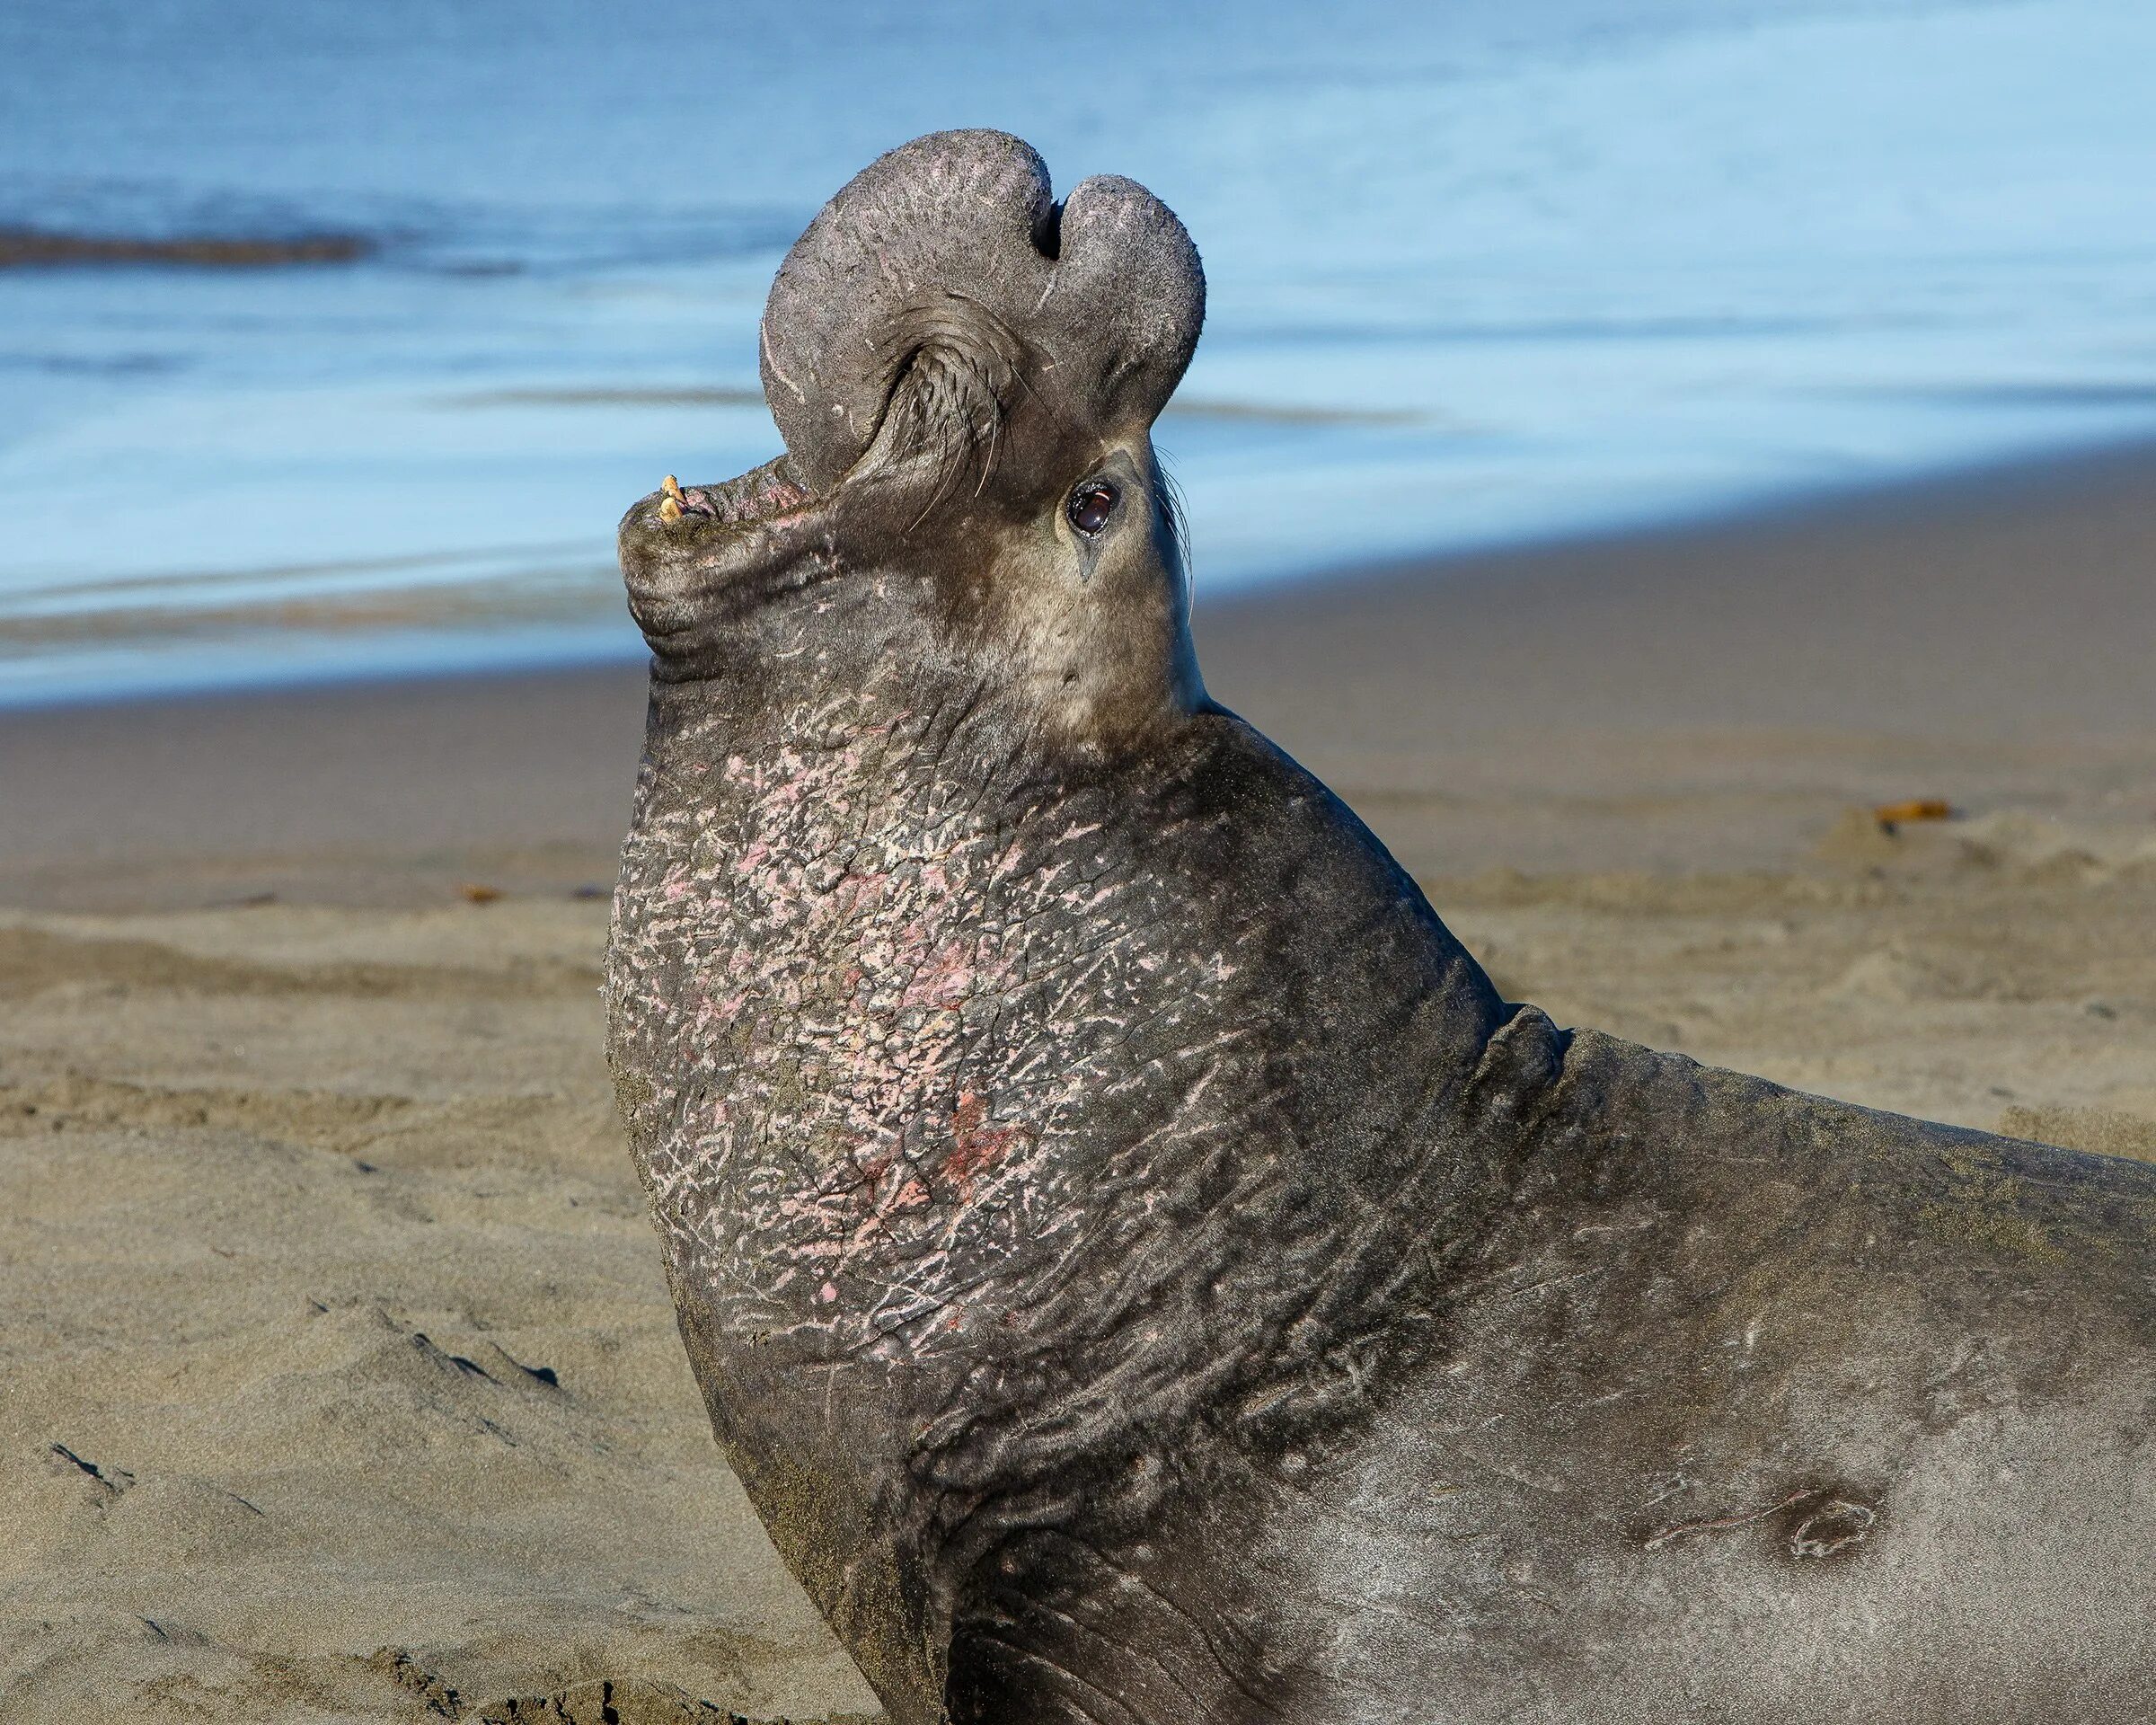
(945, 309)
(954, 246)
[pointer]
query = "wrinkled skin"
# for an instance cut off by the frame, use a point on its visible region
(1139, 1268)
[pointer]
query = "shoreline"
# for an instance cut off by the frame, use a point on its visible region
(1983, 635)
(351, 655)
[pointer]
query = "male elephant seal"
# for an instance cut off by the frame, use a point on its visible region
(1138, 1266)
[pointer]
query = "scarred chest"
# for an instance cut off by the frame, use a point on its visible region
(884, 1017)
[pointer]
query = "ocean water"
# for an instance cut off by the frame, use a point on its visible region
(1485, 272)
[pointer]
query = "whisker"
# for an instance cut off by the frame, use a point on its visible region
(1173, 506)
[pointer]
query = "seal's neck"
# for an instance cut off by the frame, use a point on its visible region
(1016, 1115)
(961, 1023)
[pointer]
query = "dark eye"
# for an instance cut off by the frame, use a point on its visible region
(1091, 505)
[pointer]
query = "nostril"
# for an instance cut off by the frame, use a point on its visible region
(1048, 232)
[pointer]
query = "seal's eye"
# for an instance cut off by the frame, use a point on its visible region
(1091, 505)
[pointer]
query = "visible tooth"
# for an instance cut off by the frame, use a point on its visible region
(672, 488)
(669, 510)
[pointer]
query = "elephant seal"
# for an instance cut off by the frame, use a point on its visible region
(1138, 1266)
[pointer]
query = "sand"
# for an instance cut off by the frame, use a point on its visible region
(337, 1377)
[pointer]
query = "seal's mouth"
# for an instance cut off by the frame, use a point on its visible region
(944, 416)
(693, 555)
(763, 494)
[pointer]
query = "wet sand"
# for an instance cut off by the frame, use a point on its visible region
(337, 1377)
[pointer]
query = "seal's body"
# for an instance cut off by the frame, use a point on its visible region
(1139, 1268)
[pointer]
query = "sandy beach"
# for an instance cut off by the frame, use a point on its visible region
(337, 1376)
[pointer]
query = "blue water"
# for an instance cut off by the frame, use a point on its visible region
(1480, 273)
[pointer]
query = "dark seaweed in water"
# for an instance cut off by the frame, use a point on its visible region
(34, 248)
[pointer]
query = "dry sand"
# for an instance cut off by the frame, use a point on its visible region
(337, 1378)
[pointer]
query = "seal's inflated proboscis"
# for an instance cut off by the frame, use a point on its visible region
(1138, 1266)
